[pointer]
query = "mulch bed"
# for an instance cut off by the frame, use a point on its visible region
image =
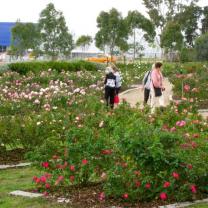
(12, 156)
(88, 197)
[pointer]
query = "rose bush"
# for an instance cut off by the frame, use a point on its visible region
(61, 119)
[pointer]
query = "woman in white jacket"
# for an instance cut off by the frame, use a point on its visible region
(118, 78)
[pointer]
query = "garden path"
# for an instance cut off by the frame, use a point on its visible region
(136, 95)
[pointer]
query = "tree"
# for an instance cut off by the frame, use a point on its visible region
(137, 21)
(205, 20)
(172, 38)
(55, 38)
(201, 46)
(24, 36)
(188, 20)
(84, 41)
(113, 31)
(163, 11)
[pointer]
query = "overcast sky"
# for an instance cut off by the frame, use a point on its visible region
(80, 15)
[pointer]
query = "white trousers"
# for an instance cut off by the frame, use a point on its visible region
(156, 101)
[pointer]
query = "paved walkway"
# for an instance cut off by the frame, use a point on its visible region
(136, 95)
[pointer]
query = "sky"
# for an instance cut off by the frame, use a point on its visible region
(80, 15)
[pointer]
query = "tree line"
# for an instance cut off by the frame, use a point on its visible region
(171, 24)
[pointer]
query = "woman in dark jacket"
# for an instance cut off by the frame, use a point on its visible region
(110, 86)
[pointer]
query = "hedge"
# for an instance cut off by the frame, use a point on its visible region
(25, 67)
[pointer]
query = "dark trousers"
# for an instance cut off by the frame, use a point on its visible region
(118, 90)
(109, 96)
(146, 95)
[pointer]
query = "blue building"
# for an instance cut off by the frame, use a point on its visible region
(5, 35)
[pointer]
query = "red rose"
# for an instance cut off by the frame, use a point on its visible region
(125, 196)
(72, 167)
(137, 172)
(138, 184)
(148, 186)
(71, 178)
(193, 188)
(43, 179)
(106, 152)
(163, 196)
(189, 166)
(166, 184)
(45, 164)
(84, 162)
(47, 186)
(175, 175)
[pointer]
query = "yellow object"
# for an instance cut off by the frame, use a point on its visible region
(102, 59)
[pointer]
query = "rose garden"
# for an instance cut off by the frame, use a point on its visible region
(54, 116)
(59, 141)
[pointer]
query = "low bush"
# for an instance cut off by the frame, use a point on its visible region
(25, 67)
(135, 156)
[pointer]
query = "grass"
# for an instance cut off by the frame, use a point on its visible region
(20, 179)
(199, 206)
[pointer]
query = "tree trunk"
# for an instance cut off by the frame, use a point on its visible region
(134, 45)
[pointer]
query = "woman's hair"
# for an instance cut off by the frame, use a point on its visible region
(114, 67)
(158, 65)
(108, 70)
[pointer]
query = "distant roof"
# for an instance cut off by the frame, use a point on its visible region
(5, 33)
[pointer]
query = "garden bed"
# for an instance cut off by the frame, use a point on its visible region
(14, 156)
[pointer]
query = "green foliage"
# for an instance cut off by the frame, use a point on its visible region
(112, 32)
(205, 20)
(135, 20)
(187, 55)
(167, 37)
(201, 46)
(60, 118)
(26, 67)
(188, 20)
(84, 41)
(24, 36)
(55, 37)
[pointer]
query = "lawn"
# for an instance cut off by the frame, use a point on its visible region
(200, 206)
(20, 179)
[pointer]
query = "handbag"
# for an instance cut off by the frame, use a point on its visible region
(116, 99)
(158, 91)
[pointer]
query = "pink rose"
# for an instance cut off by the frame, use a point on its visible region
(101, 196)
(180, 123)
(186, 88)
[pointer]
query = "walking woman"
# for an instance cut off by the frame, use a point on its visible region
(157, 87)
(118, 79)
(110, 86)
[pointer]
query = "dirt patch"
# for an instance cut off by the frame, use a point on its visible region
(88, 197)
(12, 156)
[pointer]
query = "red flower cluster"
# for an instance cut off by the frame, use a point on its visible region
(106, 152)
(175, 175)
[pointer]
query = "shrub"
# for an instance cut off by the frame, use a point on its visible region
(201, 47)
(187, 55)
(25, 67)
